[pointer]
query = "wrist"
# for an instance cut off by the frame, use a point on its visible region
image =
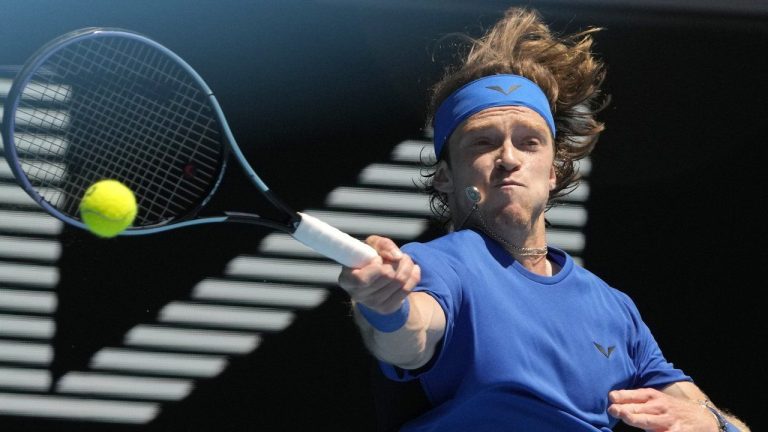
(386, 323)
(723, 425)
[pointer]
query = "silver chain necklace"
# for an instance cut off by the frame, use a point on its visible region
(513, 249)
(474, 195)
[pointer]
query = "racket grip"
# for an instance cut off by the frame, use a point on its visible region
(333, 243)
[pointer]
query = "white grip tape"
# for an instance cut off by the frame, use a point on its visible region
(329, 241)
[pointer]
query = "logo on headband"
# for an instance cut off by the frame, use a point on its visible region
(472, 98)
(501, 90)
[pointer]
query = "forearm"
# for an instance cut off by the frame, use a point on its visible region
(412, 345)
(690, 392)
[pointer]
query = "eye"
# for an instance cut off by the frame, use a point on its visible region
(532, 143)
(483, 142)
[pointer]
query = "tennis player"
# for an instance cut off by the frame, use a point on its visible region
(501, 331)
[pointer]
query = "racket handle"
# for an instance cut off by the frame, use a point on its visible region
(333, 243)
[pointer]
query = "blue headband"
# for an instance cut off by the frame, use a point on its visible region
(488, 92)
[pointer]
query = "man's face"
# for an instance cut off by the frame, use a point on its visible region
(507, 153)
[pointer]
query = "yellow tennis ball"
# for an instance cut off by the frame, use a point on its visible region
(108, 207)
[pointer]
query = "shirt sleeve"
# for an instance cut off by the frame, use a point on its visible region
(438, 279)
(653, 370)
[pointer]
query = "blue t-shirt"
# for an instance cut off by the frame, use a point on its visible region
(523, 351)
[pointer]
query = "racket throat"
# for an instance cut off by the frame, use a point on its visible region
(249, 218)
(293, 219)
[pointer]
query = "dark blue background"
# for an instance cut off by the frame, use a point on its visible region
(315, 91)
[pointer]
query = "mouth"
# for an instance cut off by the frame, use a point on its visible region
(508, 183)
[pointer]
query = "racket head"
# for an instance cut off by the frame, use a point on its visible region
(104, 103)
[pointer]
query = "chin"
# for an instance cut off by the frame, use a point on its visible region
(512, 216)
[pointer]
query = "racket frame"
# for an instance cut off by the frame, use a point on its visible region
(316, 234)
(33, 66)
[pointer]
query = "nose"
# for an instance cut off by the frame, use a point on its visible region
(508, 158)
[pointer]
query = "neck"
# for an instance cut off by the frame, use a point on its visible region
(532, 258)
(532, 252)
(539, 265)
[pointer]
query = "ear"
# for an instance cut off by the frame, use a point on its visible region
(443, 179)
(552, 177)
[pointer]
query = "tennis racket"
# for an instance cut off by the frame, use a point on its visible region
(103, 103)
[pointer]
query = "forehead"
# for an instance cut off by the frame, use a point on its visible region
(506, 116)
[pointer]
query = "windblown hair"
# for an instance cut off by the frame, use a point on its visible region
(564, 67)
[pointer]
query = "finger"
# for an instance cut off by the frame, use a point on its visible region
(400, 293)
(403, 270)
(369, 276)
(414, 279)
(407, 276)
(645, 421)
(381, 286)
(377, 274)
(632, 396)
(385, 247)
(619, 410)
(369, 285)
(351, 279)
(375, 295)
(394, 301)
(388, 292)
(375, 288)
(385, 299)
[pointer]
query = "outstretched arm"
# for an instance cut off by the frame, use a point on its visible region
(681, 406)
(407, 325)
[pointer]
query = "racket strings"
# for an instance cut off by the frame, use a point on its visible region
(135, 128)
(97, 103)
(167, 147)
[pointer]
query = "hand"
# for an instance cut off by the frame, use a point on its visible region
(652, 410)
(385, 282)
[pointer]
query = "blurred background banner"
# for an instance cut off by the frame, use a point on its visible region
(228, 328)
